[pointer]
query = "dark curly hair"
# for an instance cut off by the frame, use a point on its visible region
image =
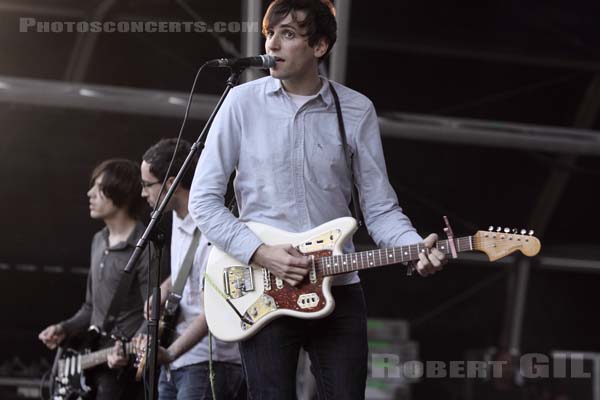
(320, 20)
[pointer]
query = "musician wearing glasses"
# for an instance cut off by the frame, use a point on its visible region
(184, 353)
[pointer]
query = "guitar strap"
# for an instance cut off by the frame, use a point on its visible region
(177, 288)
(174, 295)
(117, 301)
(349, 160)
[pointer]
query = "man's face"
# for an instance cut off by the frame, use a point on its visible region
(101, 207)
(150, 185)
(288, 42)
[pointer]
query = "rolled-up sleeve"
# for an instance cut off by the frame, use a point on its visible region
(207, 195)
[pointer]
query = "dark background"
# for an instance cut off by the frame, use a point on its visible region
(520, 62)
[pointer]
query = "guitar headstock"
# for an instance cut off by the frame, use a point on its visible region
(139, 365)
(140, 345)
(502, 242)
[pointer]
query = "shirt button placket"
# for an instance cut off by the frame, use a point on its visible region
(299, 187)
(103, 263)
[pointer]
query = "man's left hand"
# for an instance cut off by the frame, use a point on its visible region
(117, 357)
(432, 261)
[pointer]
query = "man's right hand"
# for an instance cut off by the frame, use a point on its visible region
(284, 260)
(52, 336)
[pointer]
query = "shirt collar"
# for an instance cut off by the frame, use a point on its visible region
(131, 240)
(186, 225)
(274, 86)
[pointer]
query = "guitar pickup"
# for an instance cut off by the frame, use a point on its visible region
(238, 281)
(320, 242)
(309, 300)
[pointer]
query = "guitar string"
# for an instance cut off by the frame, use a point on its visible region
(97, 356)
(409, 248)
(377, 255)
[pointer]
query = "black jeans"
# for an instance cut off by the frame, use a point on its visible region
(115, 384)
(336, 344)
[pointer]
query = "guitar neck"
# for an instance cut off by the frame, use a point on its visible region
(344, 263)
(101, 356)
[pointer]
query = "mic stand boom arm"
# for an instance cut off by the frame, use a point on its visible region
(148, 235)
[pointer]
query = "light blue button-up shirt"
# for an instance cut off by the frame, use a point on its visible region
(290, 168)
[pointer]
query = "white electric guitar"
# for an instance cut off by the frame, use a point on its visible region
(240, 299)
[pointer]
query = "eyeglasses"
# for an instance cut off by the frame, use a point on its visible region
(146, 185)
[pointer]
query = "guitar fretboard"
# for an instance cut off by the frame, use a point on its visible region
(343, 263)
(100, 357)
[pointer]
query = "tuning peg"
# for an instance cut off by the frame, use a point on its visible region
(506, 230)
(523, 231)
(531, 232)
(515, 231)
(491, 228)
(498, 229)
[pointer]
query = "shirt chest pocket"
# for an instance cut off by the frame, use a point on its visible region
(326, 164)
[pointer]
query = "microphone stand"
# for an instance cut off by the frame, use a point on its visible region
(149, 235)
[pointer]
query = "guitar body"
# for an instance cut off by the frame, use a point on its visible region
(69, 382)
(258, 295)
(240, 299)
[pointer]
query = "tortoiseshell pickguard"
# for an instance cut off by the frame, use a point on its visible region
(287, 296)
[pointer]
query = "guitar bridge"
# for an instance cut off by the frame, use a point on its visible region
(238, 281)
(261, 307)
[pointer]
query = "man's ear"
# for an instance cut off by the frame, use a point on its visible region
(320, 48)
(169, 182)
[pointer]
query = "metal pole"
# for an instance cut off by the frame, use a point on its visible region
(251, 40)
(339, 56)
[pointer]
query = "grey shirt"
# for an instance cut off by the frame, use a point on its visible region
(106, 268)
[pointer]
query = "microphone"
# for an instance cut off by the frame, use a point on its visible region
(263, 61)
